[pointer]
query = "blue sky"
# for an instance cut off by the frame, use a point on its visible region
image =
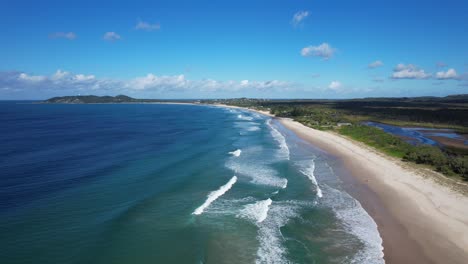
(216, 49)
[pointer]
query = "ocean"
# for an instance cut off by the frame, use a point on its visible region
(160, 183)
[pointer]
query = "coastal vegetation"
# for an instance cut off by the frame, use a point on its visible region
(93, 99)
(346, 117)
(439, 159)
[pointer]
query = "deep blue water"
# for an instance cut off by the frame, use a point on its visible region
(151, 183)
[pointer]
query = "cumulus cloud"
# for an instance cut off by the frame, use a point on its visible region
(31, 78)
(445, 75)
(335, 85)
(153, 82)
(299, 17)
(375, 64)
(111, 36)
(410, 71)
(63, 82)
(65, 35)
(324, 50)
(141, 25)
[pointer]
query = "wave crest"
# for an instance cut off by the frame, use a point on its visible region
(236, 153)
(309, 172)
(284, 150)
(257, 211)
(215, 195)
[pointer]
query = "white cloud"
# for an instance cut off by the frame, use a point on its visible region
(59, 74)
(65, 35)
(151, 82)
(409, 71)
(299, 17)
(66, 82)
(324, 50)
(141, 25)
(31, 78)
(335, 85)
(111, 36)
(449, 74)
(84, 78)
(375, 64)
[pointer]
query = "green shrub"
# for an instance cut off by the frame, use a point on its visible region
(427, 155)
(460, 166)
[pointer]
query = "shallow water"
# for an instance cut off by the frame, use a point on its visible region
(153, 184)
(418, 135)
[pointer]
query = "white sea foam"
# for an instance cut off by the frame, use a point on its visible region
(271, 249)
(358, 222)
(284, 150)
(285, 184)
(257, 212)
(363, 226)
(215, 195)
(309, 172)
(259, 173)
(236, 153)
(248, 118)
(247, 126)
(253, 128)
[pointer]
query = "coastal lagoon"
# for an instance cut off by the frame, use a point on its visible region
(426, 136)
(160, 183)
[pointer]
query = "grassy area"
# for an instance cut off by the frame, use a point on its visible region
(378, 139)
(346, 116)
(434, 157)
(430, 112)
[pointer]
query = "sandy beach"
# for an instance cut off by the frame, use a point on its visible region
(420, 220)
(422, 216)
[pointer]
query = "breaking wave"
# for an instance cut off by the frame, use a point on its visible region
(248, 118)
(258, 173)
(359, 223)
(236, 153)
(215, 195)
(257, 212)
(272, 249)
(309, 172)
(284, 150)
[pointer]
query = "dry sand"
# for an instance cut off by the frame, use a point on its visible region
(420, 220)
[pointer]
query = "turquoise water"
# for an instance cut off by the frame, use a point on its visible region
(170, 184)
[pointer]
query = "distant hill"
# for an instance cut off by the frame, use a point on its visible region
(92, 99)
(429, 100)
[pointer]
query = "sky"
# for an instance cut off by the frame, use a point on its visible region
(224, 49)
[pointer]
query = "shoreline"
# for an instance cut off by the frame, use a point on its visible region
(419, 219)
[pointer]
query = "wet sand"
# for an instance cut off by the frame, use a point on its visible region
(420, 221)
(421, 216)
